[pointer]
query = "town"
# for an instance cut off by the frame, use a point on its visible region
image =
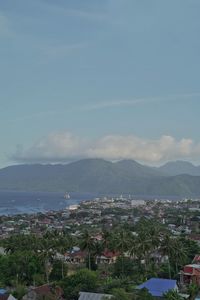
(135, 248)
(100, 150)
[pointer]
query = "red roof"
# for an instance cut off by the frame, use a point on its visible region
(197, 258)
(48, 290)
(191, 270)
(43, 289)
(110, 254)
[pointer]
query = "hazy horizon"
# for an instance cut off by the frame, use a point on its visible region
(156, 165)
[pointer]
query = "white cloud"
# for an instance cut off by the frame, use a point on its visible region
(133, 147)
(64, 147)
(53, 148)
(133, 102)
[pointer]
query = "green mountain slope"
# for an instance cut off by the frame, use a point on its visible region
(179, 167)
(99, 176)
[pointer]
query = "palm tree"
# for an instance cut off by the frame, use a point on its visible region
(179, 254)
(167, 248)
(148, 240)
(133, 248)
(46, 253)
(63, 243)
(87, 243)
(143, 250)
(121, 242)
(174, 250)
(106, 236)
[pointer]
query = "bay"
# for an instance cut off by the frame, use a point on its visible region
(18, 202)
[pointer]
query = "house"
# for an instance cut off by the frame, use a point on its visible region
(157, 287)
(43, 291)
(5, 296)
(93, 296)
(196, 260)
(136, 203)
(76, 257)
(2, 291)
(190, 274)
(107, 257)
(10, 297)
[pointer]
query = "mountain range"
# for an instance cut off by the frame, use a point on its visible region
(99, 176)
(180, 167)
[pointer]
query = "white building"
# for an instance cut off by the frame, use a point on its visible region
(135, 203)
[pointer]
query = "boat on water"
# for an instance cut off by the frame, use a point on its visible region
(67, 196)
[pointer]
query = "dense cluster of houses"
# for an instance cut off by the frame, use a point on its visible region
(178, 216)
(107, 212)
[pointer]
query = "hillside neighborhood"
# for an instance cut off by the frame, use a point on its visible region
(149, 248)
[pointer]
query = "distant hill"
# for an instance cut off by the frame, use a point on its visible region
(180, 167)
(134, 168)
(99, 176)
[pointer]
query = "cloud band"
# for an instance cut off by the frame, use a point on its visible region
(65, 147)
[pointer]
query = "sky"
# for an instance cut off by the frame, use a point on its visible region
(111, 79)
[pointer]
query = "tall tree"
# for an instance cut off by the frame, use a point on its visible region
(87, 244)
(121, 242)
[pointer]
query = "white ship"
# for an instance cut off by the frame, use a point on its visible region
(67, 196)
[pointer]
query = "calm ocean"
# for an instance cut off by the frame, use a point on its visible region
(17, 202)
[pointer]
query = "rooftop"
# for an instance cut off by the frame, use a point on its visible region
(158, 286)
(93, 296)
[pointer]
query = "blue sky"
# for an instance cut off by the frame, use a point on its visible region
(111, 78)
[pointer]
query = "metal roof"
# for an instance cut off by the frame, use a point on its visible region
(2, 291)
(157, 286)
(92, 296)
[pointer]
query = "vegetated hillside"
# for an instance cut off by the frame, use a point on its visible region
(99, 176)
(134, 168)
(180, 167)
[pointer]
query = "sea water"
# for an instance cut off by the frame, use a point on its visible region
(17, 202)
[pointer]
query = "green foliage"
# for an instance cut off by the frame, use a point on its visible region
(193, 290)
(87, 244)
(114, 283)
(19, 267)
(59, 270)
(20, 291)
(30, 260)
(144, 294)
(119, 294)
(92, 266)
(38, 279)
(192, 248)
(172, 295)
(83, 280)
(128, 267)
